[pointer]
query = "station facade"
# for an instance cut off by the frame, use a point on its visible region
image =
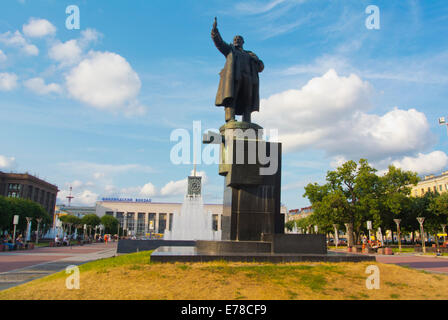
(139, 217)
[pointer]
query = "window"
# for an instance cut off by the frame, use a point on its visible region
(440, 188)
(109, 213)
(120, 219)
(152, 222)
(141, 223)
(215, 222)
(131, 223)
(162, 223)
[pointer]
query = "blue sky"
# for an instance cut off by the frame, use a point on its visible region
(94, 108)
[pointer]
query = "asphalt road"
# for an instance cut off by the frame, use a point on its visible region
(17, 267)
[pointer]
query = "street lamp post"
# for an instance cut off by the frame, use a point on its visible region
(39, 220)
(420, 221)
(397, 221)
(15, 222)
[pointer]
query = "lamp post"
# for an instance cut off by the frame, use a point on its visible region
(39, 220)
(397, 221)
(369, 227)
(420, 221)
(15, 222)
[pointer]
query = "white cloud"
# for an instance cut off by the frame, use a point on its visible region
(84, 197)
(105, 80)
(98, 175)
(66, 53)
(17, 40)
(433, 162)
(7, 163)
(3, 57)
(329, 113)
(99, 170)
(88, 36)
(37, 85)
(37, 28)
(148, 190)
(8, 81)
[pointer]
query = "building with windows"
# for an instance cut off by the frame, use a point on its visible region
(140, 217)
(296, 214)
(26, 186)
(431, 183)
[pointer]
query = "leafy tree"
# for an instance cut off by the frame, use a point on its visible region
(23, 208)
(91, 220)
(354, 194)
(288, 225)
(111, 224)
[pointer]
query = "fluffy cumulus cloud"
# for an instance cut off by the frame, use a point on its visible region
(71, 52)
(433, 162)
(330, 113)
(148, 190)
(37, 85)
(38, 28)
(8, 81)
(66, 53)
(105, 80)
(7, 163)
(3, 56)
(17, 40)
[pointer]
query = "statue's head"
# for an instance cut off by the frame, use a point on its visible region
(238, 41)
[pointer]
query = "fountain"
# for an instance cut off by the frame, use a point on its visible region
(193, 222)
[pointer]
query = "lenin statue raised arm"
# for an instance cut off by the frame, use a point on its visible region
(238, 90)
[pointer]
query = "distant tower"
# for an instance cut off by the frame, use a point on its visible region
(70, 197)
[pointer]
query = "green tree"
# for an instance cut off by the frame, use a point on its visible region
(354, 194)
(110, 223)
(91, 220)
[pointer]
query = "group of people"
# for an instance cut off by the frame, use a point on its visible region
(62, 242)
(8, 241)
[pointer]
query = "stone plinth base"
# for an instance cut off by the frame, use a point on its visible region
(190, 254)
(297, 243)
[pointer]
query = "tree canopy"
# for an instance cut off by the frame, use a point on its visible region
(354, 194)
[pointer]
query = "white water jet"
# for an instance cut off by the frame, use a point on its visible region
(193, 222)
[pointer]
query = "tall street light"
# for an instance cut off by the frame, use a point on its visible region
(397, 221)
(421, 220)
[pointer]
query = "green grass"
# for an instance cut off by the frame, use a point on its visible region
(403, 250)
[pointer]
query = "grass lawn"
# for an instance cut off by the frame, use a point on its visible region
(133, 276)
